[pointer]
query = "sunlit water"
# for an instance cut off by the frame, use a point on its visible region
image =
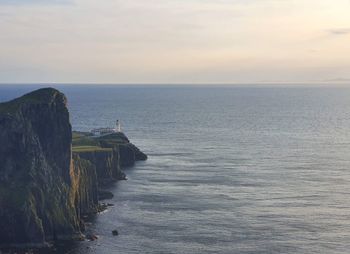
(230, 169)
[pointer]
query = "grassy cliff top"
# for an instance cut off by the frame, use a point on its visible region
(114, 138)
(81, 149)
(40, 96)
(85, 142)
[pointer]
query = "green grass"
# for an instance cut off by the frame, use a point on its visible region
(112, 142)
(9, 107)
(83, 139)
(84, 142)
(43, 95)
(77, 135)
(80, 134)
(81, 149)
(113, 139)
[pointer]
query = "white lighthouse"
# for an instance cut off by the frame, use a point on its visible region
(118, 128)
(99, 132)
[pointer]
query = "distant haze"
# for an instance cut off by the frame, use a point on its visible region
(174, 41)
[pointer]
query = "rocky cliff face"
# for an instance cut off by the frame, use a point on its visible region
(84, 186)
(108, 153)
(35, 170)
(44, 190)
(129, 154)
(106, 163)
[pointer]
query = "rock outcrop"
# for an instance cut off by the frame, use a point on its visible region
(129, 154)
(44, 189)
(109, 153)
(35, 172)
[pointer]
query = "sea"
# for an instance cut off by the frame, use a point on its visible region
(232, 169)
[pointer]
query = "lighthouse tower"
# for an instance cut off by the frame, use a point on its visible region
(118, 127)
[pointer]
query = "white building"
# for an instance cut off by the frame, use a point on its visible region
(105, 131)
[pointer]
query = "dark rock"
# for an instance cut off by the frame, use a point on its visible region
(115, 232)
(37, 204)
(122, 176)
(82, 225)
(129, 154)
(91, 237)
(102, 207)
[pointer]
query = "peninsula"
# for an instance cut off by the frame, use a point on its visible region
(49, 175)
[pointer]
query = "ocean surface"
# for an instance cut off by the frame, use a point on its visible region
(231, 169)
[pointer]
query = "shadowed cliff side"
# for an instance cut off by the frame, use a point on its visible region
(84, 187)
(35, 180)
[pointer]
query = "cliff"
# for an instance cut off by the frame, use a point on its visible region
(84, 187)
(35, 171)
(45, 188)
(108, 153)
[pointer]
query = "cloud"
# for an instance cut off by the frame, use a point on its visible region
(173, 40)
(339, 31)
(34, 2)
(337, 80)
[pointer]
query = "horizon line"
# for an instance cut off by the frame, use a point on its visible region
(185, 83)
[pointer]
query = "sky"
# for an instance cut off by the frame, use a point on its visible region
(174, 41)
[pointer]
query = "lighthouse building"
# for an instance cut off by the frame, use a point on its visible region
(105, 131)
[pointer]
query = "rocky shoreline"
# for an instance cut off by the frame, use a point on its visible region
(49, 175)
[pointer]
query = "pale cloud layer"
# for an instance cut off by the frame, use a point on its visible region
(174, 41)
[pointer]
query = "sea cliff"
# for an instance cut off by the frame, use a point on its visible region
(46, 187)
